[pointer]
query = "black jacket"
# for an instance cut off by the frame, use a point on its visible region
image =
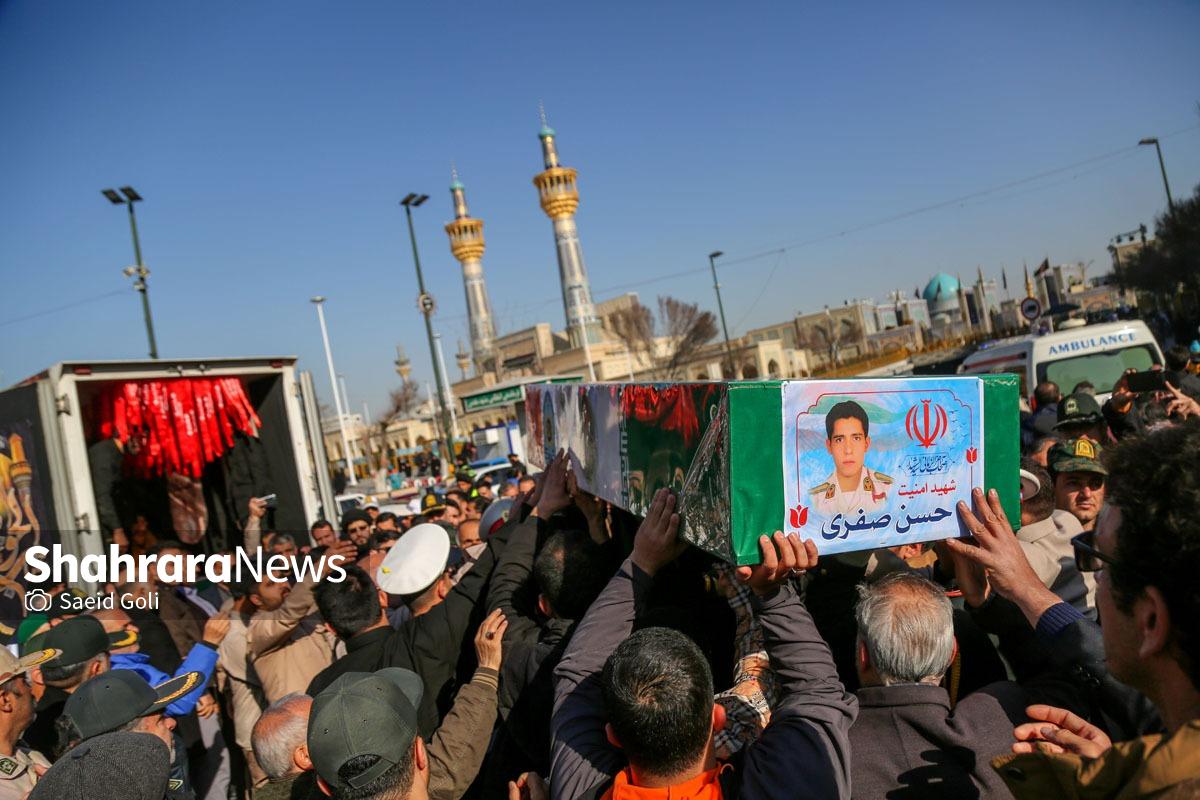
(1039, 423)
(1075, 656)
(105, 459)
(41, 734)
(1077, 652)
(532, 648)
(429, 645)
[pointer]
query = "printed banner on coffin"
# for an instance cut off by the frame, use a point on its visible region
(881, 463)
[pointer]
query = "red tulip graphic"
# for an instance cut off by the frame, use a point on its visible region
(799, 516)
(972, 455)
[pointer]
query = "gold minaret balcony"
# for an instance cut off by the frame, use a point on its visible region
(557, 191)
(466, 238)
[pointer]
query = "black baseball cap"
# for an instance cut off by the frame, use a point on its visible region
(120, 696)
(1080, 408)
(79, 638)
(361, 714)
(115, 766)
(354, 515)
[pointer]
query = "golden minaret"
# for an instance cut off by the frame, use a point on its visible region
(559, 197)
(466, 244)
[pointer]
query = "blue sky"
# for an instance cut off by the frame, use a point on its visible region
(272, 141)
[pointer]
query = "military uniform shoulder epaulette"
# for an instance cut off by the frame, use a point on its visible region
(883, 478)
(823, 487)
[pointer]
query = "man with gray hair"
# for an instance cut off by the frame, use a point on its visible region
(909, 739)
(280, 742)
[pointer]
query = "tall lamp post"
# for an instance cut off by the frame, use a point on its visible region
(138, 271)
(1162, 168)
(712, 263)
(319, 302)
(426, 304)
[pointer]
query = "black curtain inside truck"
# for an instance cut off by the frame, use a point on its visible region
(180, 507)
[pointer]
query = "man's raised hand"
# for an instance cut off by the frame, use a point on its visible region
(784, 557)
(657, 542)
(489, 639)
(257, 507)
(999, 552)
(554, 496)
(1179, 404)
(1057, 730)
(340, 553)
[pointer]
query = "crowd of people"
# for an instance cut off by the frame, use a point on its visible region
(531, 641)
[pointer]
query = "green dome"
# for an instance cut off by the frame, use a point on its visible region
(456, 184)
(947, 285)
(545, 131)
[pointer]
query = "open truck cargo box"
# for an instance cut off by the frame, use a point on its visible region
(751, 458)
(48, 426)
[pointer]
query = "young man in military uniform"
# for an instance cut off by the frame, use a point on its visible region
(20, 765)
(1079, 479)
(853, 487)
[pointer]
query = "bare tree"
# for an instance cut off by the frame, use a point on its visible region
(829, 336)
(667, 341)
(402, 402)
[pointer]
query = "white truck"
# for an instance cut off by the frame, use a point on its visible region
(48, 441)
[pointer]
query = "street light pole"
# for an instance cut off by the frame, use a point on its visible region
(1162, 168)
(445, 388)
(138, 272)
(319, 302)
(411, 201)
(345, 394)
(712, 263)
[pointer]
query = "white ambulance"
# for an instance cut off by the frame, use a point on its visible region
(1096, 353)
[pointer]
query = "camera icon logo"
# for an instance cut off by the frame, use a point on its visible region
(37, 600)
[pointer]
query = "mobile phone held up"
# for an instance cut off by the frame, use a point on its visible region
(1148, 381)
(269, 499)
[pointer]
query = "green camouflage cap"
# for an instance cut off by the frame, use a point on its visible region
(1076, 455)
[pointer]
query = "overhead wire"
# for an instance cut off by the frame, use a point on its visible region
(1112, 154)
(1099, 161)
(63, 307)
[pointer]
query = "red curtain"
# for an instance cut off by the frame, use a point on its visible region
(176, 425)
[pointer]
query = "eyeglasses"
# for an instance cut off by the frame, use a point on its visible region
(1087, 557)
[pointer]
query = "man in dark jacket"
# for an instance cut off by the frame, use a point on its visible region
(1045, 413)
(542, 594)
(1176, 361)
(632, 711)
(907, 742)
(105, 458)
(431, 643)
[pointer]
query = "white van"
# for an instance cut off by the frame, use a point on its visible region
(1096, 353)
